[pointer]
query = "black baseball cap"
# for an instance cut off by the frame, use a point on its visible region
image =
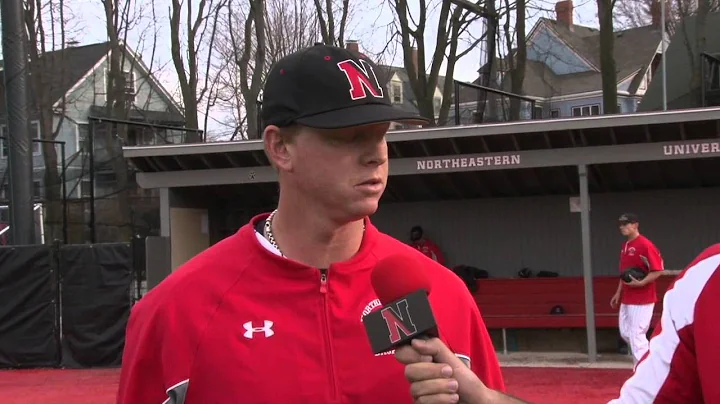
(329, 87)
(628, 218)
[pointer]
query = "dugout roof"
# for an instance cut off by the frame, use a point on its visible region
(655, 150)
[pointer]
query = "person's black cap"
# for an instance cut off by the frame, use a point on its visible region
(329, 87)
(628, 218)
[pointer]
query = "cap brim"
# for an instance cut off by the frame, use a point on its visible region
(360, 115)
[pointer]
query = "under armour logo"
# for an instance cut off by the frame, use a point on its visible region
(266, 329)
(251, 175)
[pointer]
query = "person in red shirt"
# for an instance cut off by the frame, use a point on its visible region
(425, 245)
(680, 366)
(273, 313)
(636, 298)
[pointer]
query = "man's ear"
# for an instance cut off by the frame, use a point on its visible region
(276, 148)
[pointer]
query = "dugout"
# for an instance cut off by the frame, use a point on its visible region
(495, 196)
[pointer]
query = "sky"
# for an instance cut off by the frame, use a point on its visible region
(370, 24)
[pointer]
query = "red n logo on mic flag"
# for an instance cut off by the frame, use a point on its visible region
(398, 320)
(362, 79)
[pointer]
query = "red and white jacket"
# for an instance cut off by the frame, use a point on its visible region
(430, 249)
(241, 324)
(640, 253)
(682, 363)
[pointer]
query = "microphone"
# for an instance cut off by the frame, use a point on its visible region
(402, 288)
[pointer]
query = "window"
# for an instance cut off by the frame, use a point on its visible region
(4, 140)
(37, 189)
(500, 76)
(645, 82)
(397, 93)
(619, 108)
(85, 188)
(586, 110)
(129, 78)
(554, 113)
(129, 83)
(537, 112)
(34, 133)
(83, 130)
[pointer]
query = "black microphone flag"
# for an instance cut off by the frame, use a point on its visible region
(400, 321)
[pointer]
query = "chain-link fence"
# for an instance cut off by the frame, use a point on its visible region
(84, 189)
(49, 186)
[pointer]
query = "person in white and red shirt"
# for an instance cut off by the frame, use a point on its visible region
(425, 245)
(680, 366)
(636, 298)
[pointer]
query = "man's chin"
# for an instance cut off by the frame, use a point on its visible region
(364, 208)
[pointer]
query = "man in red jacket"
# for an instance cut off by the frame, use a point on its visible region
(425, 245)
(273, 313)
(637, 298)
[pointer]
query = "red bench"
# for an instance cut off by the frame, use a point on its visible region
(526, 303)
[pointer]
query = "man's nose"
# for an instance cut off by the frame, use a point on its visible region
(376, 152)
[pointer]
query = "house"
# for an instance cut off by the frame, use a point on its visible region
(679, 91)
(562, 73)
(399, 87)
(78, 81)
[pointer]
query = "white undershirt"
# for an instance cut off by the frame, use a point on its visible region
(265, 243)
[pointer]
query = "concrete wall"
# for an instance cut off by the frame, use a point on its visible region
(189, 234)
(504, 235)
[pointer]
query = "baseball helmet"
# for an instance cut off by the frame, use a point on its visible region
(635, 272)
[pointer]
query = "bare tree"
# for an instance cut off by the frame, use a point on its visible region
(228, 97)
(110, 138)
(639, 13)
(703, 9)
(607, 56)
(289, 25)
(452, 23)
(488, 71)
(326, 17)
(636, 13)
(516, 56)
(45, 25)
(121, 18)
(250, 87)
(196, 29)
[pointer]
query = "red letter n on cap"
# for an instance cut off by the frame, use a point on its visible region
(362, 79)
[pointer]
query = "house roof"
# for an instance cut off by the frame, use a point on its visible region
(409, 101)
(633, 51)
(63, 69)
(679, 93)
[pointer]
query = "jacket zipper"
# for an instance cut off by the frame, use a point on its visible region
(328, 340)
